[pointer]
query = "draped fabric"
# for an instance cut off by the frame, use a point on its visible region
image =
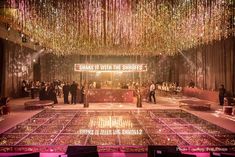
(207, 65)
(1, 66)
(17, 65)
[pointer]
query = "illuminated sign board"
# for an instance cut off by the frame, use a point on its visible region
(110, 67)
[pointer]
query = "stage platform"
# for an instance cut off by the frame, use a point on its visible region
(52, 130)
(115, 128)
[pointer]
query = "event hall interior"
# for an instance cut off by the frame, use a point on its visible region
(117, 78)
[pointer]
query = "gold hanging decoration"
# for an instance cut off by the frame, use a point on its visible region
(121, 27)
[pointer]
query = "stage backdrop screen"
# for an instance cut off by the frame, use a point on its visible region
(110, 67)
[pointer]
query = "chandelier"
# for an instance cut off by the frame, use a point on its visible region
(121, 27)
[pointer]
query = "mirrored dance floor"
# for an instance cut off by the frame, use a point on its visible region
(115, 130)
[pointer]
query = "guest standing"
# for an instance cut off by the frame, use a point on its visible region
(222, 92)
(82, 94)
(24, 88)
(32, 90)
(42, 93)
(52, 94)
(152, 89)
(66, 89)
(73, 91)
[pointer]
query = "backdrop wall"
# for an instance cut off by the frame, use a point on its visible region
(17, 66)
(207, 65)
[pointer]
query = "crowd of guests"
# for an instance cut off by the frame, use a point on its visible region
(172, 87)
(50, 90)
(73, 89)
(109, 84)
(167, 87)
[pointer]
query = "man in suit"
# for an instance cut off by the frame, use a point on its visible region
(73, 91)
(66, 89)
(152, 89)
(222, 93)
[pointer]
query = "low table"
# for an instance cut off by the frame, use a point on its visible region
(195, 104)
(33, 105)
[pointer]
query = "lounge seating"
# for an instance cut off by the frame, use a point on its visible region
(195, 104)
(36, 154)
(33, 105)
(4, 107)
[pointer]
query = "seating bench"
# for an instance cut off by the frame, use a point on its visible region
(195, 104)
(33, 105)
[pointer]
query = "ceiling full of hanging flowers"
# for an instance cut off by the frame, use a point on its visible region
(121, 27)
